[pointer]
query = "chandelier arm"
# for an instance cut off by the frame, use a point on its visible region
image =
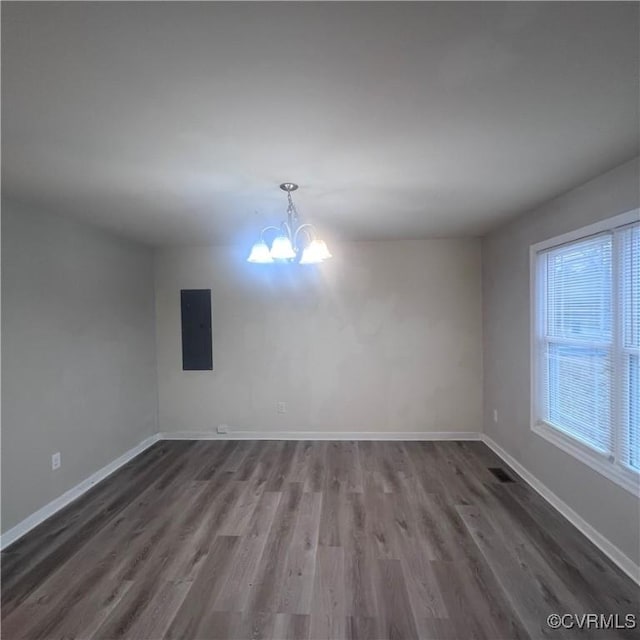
(270, 228)
(288, 229)
(305, 227)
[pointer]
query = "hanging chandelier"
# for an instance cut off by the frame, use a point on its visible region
(292, 239)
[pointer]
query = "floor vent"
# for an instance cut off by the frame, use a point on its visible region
(501, 474)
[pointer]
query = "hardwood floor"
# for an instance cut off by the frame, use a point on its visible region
(370, 540)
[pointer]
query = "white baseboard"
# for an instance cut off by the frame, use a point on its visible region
(321, 435)
(62, 501)
(606, 546)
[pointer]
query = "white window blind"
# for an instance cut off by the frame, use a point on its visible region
(630, 356)
(577, 352)
(586, 345)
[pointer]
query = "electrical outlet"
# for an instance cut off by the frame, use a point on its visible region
(223, 428)
(495, 415)
(281, 407)
(55, 461)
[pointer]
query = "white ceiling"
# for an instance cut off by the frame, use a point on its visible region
(175, 122)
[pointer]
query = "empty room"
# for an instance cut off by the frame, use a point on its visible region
(320, 320)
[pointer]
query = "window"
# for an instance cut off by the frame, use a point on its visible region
(585, 300)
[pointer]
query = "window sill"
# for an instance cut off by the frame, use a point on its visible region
(623, 477)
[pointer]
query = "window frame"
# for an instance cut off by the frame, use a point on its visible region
(608, 465)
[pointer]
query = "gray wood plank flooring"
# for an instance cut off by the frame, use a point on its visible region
(308, 540)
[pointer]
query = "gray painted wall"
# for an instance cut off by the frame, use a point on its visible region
(386, 336)
(613, 511)
(78, 354)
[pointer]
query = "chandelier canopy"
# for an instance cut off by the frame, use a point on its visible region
(292, 240)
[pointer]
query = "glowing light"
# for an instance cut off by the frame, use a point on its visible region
(282, 249)
(323, 249)
(260, 253)
(313, 253)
